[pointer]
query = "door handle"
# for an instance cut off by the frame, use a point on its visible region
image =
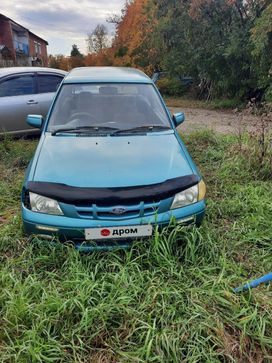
(32, 102)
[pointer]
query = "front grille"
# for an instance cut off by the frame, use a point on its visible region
(106, 213)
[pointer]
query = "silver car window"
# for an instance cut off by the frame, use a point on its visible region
(17, 86)
(48, 82)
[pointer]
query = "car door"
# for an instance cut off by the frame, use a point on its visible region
(17, 100)
(48, 84)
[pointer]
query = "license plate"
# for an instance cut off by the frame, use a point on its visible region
(118, 232)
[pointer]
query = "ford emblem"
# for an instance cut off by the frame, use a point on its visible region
(118, 210)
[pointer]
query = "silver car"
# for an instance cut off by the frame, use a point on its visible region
(23, 91)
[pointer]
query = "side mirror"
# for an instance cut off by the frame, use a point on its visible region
(35, 121)
(178, 118)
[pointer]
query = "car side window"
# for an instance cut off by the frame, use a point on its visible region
(48, 83)
(17, 86)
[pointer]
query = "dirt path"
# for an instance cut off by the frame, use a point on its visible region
(220, 121)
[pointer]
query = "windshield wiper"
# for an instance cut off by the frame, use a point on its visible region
(83, 129)
(146, 128)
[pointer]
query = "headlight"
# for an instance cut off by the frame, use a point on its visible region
(41, 204)
(189, 196)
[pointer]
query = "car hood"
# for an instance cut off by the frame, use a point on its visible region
(111, 161)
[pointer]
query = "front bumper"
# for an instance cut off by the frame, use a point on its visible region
(73, 229)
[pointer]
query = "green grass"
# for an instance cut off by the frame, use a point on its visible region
(216, 104)
(166, 300)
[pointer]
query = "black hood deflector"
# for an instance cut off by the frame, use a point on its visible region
(113, 196)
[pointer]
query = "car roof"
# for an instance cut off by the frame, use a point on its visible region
(107, 74)
(13, 70)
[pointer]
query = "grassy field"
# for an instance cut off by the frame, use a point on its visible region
(216, 104)
(169, 299)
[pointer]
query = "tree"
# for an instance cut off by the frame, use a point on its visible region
(59, 61)
(104, 58)
(114, 19)
(131, 45)
(75, 51)
(76, 58)
(225, 45)
(97, 41)
(261, 38)
(209, 40)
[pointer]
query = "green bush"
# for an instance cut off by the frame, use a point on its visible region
(225, 103)
(171, 87)
(268, 94)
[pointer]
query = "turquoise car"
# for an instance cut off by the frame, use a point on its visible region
(110, 165)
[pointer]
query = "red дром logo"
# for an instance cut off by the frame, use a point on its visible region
(105, 232)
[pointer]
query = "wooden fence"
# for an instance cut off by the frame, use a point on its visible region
(6, 63)
(11, 63)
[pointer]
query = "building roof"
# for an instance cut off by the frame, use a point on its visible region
(36, 36)
(107, 74)
(4, 17)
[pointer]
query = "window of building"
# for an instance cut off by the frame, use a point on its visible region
(36, 47)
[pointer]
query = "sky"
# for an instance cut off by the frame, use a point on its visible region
(62, 22)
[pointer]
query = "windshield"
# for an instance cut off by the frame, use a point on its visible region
(107, 106)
